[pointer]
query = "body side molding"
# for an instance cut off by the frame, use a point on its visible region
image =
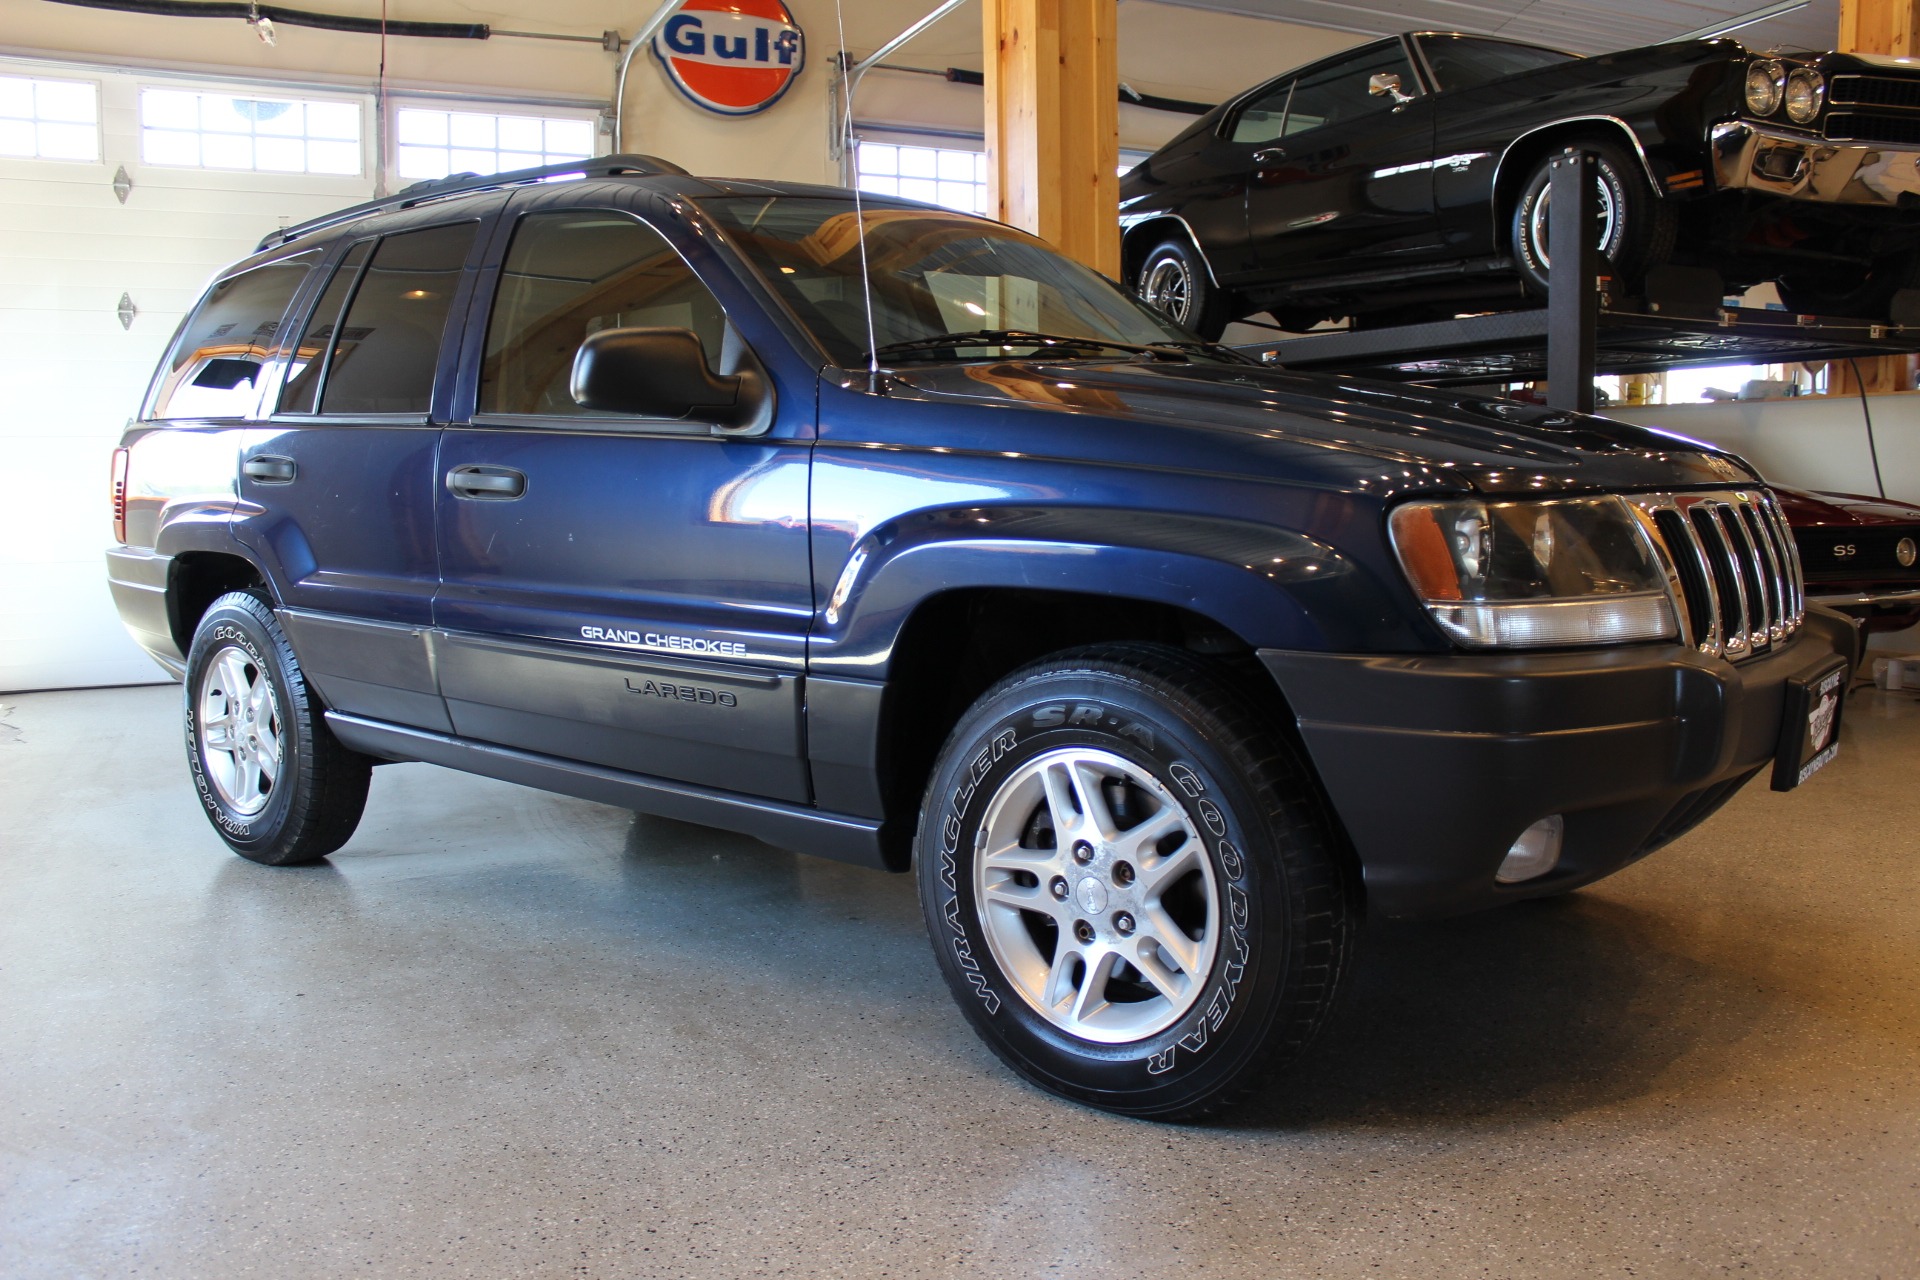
(825, 835)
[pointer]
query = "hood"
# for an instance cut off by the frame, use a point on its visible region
(1808, 510)
(1380, 438)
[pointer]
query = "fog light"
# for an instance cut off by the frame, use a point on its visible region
(1535, 853)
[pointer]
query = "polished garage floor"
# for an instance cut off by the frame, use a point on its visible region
(510, 1034)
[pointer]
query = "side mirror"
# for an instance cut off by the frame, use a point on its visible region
(1385, 84)
(663, 373)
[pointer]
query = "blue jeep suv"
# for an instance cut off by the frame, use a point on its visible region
(888, 534)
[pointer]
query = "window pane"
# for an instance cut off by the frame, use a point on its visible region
(917, 162)
(1460, 62)
(427, 128)
(877, 157)
(573, 137)
(385, 353)
(214, 368)
(64, 100)
(49, 119)
(571, 275)
(219, 131)
(519, 133)
(423, 162)
(1260, 120)
(1341, 92)
(299, 392)
(955, 166)
(464, 130)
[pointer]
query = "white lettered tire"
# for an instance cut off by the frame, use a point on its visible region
(1132, 884)
(271, 777)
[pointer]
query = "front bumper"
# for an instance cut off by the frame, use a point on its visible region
(1436, 764)
(1801, 166)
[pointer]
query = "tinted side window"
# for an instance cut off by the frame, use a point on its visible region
(215, 364)
(1260, 120)
(385, 351)
(301, 391)
(1340, 92)
(568, 276)
(1460, 62)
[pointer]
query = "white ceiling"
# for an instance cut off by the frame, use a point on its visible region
(1578, 26)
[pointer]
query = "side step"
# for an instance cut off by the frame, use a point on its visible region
(825, 835)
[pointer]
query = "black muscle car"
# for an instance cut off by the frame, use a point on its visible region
(1406, 180)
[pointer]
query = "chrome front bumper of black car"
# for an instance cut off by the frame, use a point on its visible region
(1801, 166)
(1437, 765)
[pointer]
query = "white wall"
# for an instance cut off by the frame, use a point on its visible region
(1818, 442)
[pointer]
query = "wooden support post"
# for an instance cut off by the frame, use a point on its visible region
(1888, 27)
(1053, 123)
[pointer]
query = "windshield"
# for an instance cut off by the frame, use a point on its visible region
(936, 273)
(1460, 62)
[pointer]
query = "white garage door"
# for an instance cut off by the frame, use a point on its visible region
(213, 167)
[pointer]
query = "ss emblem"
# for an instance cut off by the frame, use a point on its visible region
(1844, 550)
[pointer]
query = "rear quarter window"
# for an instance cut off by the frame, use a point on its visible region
(214, 368)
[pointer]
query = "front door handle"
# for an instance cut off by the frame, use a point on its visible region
(270, 469)
(497, 483)
(1270, 155)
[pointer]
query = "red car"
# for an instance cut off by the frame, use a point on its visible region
(1861, 555)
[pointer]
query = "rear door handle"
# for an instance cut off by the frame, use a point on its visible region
(270, 469)
(496, 483)
(1270, 155)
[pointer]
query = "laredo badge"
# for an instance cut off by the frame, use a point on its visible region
(734, 57)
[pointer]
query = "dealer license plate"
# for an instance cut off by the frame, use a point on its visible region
(1810, 732)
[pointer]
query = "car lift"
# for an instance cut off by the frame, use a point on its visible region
(1583, 331)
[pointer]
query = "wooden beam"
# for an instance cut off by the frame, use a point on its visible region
(1880, 26)
(1888, 27)
(1053, 123)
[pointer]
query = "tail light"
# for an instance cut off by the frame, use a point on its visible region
(120, 462)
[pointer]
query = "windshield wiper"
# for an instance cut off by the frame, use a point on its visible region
(1017, 338)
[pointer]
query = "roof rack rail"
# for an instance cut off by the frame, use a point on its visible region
(462, 183)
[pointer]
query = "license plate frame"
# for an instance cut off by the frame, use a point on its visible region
(1810, 724)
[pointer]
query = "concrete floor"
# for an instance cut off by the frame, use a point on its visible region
(510, 1034)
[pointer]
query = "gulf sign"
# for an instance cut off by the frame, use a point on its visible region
(735, 57)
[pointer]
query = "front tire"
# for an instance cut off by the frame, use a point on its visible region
(1637, 229)
(1133, 887)
(1174, 281)
(272, 778)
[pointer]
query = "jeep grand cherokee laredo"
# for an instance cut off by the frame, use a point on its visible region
(1156, 665)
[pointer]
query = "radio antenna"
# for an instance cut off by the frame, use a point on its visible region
(848, 84)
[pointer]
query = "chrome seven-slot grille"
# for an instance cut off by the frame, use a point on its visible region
(1895, 93)
(1730, 562)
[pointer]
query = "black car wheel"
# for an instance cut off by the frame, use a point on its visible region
(1134, 890)
(1174, 280)
(1855, 294)
(275, 782)
(1636, 228)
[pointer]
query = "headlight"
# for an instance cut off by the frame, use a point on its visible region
(1564, 571)
(1805, 92)
(1766, 81)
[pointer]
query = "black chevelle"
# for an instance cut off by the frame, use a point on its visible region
(1406, 179)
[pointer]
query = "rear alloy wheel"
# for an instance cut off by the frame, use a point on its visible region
(274, 781)
(1174, 281)
(1133, 888)
(1636, 229)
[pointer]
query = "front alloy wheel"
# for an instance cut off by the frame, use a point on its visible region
(1096, 896)
(1133, 888)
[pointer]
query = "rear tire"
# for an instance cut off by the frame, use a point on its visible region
(1637, 230)
(1855, 295)
(1133, 887)
(274, 781)
(1174, 281)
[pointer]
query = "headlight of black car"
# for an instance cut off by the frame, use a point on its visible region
(1804, 93)
(1766, 82)
(1562, 571)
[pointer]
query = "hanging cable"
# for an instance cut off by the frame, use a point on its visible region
(248, 12)
(1866, 411)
